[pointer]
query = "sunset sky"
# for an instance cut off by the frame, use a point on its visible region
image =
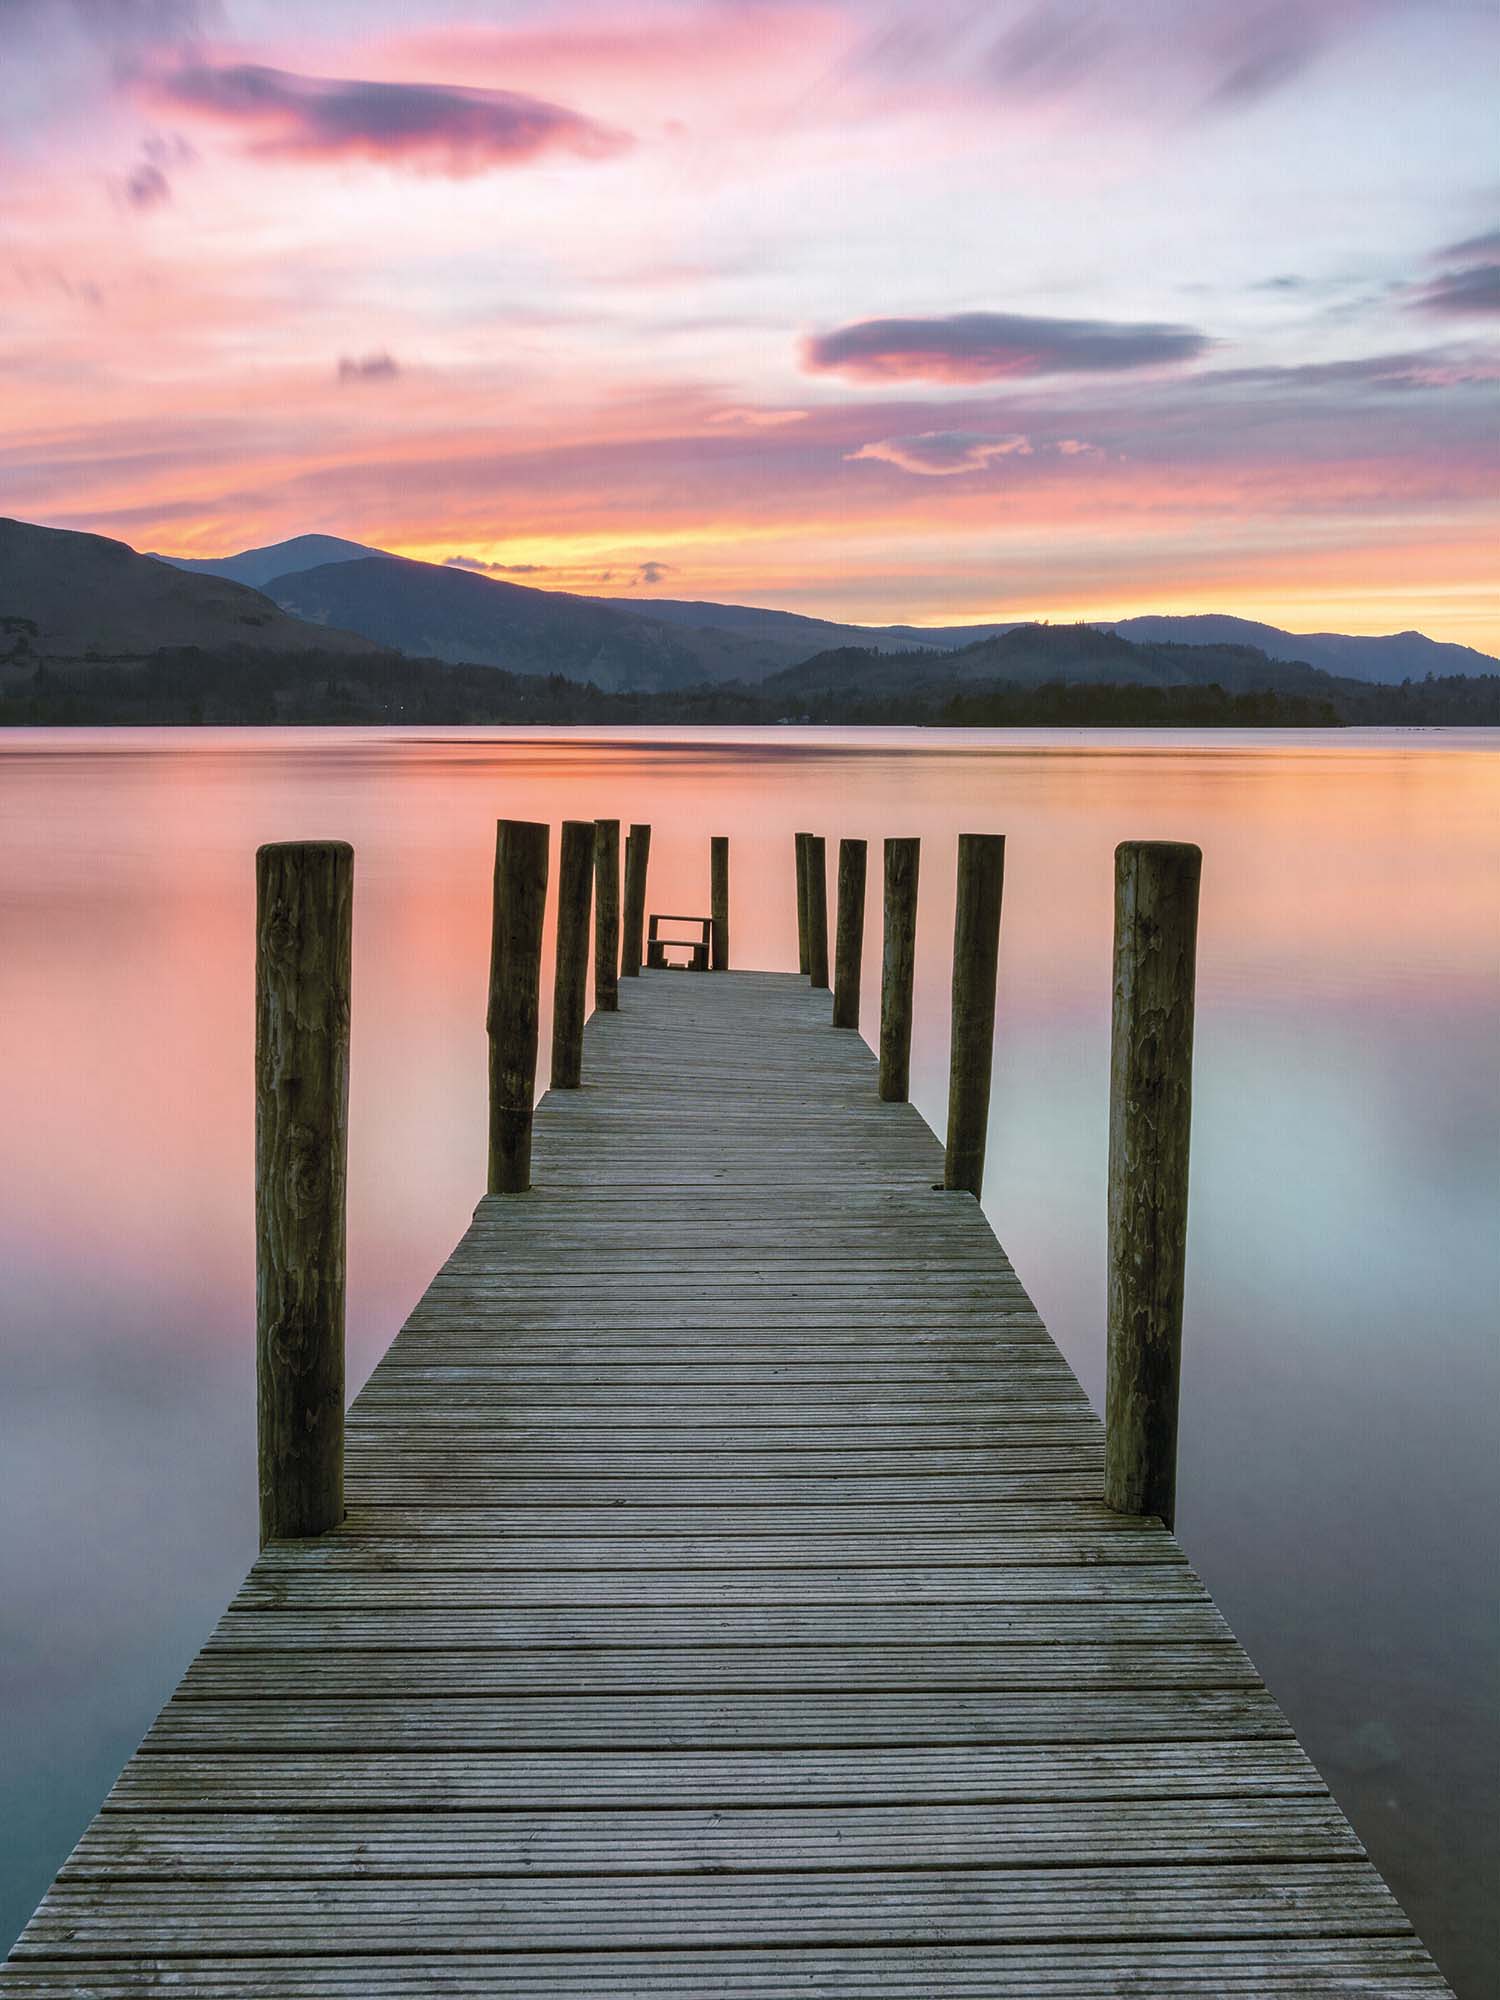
(943, 310)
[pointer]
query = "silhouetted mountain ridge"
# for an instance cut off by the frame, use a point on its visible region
(66, 596)
(1031, 656)
(431, 611)
(257, 566)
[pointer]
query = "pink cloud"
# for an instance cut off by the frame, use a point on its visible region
(941, 454)
(435, 128)
(760, 420)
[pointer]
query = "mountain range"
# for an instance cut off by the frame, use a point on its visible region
(73, 599)
(439, 614)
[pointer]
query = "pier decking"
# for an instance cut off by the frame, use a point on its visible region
(726, 1606)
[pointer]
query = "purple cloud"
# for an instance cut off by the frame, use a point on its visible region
(1473, 288)
(982, 346)
(146, 186)
(1483, 247)
(495, 568)
(1176, 55)
(427, 127)
(128, 25)
(368, 368)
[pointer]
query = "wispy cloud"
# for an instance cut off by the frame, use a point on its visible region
(941, 454)
(983, 346)
(146, 186)
(116, 24)
(434, 128)
(1486, 245)
(1183, 56)
(495, 568)
(1471, 289)
(380, 367)
(757, 420)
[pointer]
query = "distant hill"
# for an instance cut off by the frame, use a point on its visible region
(786, 637)
(1389, 659)
(438, 611)
(1032, 656)
(1393, 657)
(791, 628)
(431, 611)
(65, 596)
(257, 566)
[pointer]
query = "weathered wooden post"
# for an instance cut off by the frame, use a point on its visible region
(803, 960)
(633, 924)
(898, 968)
(718, 900)
(575, 894)
(607, 915)
(303, 918)
(817, 910)
(1150, 1112)
(850, 939)
(976, 958)
(515, 980)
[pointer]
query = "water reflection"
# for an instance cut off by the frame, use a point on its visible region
(1337, 1485)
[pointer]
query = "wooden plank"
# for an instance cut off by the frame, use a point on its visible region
(471, 1781)
(344, 1674)
(416, 1719)
(419, 1628)
(1308, 1968)
(623, 1912)
(292, 1846)
(1005, 1586)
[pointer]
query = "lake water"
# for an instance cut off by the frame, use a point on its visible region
(1338, 1484)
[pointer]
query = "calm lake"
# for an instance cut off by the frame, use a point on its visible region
(1338, 1485)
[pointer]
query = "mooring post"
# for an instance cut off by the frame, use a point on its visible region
(718, 900)
(800, 841)
(515, 981)
(849, 944)
(575, 895)
(976, 958)
(1150, 1113)
(633, 922)
(607, 915)
(817, 910)
(898, 968)
(304, 898)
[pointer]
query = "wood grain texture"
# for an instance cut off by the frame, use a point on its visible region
(575, 895)
(726, 1605)
(520, 903)
(1150, 1119)
(816, 866)
(633, 916)
(718, 870)
(898, 968)
(607, 915)
(303, 928)
(849, 944)
(804, 959)
(976, 957)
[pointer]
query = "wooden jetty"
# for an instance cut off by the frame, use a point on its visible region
(726, 1605)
